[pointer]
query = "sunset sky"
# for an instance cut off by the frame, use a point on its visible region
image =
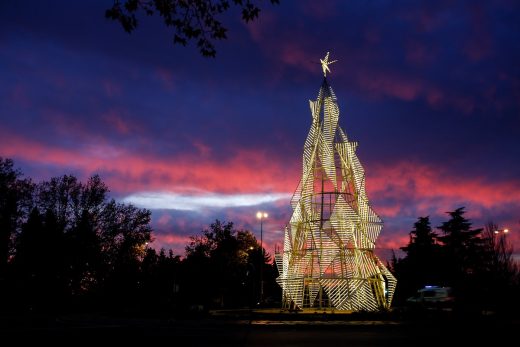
(430, 90)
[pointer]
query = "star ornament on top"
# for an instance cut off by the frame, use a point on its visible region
(325, 64)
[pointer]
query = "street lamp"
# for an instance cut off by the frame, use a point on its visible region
(499, 239)
(501, 235)
(504, 231)
(261, 216)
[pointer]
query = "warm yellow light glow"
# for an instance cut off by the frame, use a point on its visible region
(325, 64)
(328, 255)
(496, 231)
(506, 230)
(261, 215)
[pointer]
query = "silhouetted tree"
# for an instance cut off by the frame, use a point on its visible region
(160, 280)
(223, 265)
(463, 258)
(82, 247)
(501, 277)
(84, 255)
(420, 266)
(124, 232)
(55, 260)
(462, 246)
(61, 196)
(190, 19)
(15, 204)
(478, 265)
(64, 243)
(29, 258)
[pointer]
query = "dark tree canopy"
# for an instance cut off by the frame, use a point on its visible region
(420, 266)
(477, 265)
(15, 204)
(67, 246)
(224, 266)
(422, 238)
(502, 274)
(65, 241)
(462, 245)
(195, 20)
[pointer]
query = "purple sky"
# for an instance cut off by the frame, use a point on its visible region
(430, 90)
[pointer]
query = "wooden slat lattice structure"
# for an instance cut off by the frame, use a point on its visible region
(328, 258)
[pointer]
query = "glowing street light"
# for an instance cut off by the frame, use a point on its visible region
(261, 215)
(503, 231)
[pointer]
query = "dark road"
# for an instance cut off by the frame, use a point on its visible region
(209, 332)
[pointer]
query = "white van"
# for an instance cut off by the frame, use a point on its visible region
(433, 297)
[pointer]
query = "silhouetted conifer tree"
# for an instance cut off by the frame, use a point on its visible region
(420, 266)
(463, 258)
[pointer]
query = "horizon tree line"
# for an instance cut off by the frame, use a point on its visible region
(477, 264)
(66, 246)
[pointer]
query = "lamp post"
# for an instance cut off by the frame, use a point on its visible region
(503, 231)
(500, 244)
(261, 216)
(501, 234)
(250, 273)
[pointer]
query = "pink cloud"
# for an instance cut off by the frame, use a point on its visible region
(420, 54)
(368, 76)
(465, 104)
(419, 181)
(389, 211)
(243, 171)
(175, 242)
(111, 88)
(379, 84)
(116, 120)
(19, 96)
(293, 55)
(388, 84)
(372, 35)
(403, 189)
(421, 190)
(392, 241)
(425, 18)
(67, 126)
(479, 45)
(202, 149)
(164, 220)
(166, 77)
(320, 10)
(246, 171)
(260, 28)
(281, 46)
(435, 97)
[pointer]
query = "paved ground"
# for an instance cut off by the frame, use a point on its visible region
(229, 329)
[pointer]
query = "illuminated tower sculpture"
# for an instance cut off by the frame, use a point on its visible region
(328, 259)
